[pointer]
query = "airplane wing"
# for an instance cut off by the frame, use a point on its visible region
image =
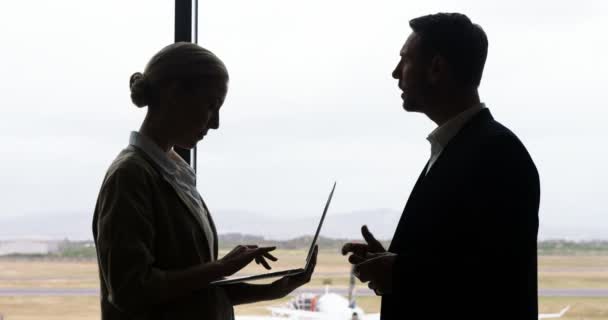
(297, 314)
(257, 318)
(553, 315)
(372, 316)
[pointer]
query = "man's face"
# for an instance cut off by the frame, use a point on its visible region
(411, 73)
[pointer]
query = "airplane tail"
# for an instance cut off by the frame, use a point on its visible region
(553, 315)
(351, 288)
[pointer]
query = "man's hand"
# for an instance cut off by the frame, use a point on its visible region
(363, 251)
(378, 271)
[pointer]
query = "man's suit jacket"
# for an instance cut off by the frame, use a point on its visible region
(143, 233)
(466, 241)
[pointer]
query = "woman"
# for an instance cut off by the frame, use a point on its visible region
(156, 242)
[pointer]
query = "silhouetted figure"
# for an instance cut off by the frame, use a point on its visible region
(465, 246)
(156, 242)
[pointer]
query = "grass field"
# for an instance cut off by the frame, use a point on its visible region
(554, 272)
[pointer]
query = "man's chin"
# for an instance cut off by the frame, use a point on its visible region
(409, 107)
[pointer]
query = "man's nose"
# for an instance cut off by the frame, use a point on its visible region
(396, 72)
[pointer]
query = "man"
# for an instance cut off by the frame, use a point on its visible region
(465, 246)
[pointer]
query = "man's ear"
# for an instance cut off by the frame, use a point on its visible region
(437, 70)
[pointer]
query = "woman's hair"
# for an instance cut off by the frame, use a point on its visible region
(182, 62)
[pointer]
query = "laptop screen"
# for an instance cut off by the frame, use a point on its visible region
(314, 240)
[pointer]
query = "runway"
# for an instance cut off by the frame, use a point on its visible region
(19, 292)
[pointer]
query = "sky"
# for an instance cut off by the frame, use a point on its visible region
(311, 101)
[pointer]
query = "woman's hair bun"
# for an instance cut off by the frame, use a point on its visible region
(139, 89)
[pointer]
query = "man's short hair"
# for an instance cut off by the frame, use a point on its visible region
(462, 43)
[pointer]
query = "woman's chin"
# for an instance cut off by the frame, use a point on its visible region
(188, 146)
(191, 143)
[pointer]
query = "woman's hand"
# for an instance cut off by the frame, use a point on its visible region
(241, 256)
(287, 284)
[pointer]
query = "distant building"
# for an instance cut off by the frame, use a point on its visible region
(28, 246)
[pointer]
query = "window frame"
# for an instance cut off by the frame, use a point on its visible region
(186, 29)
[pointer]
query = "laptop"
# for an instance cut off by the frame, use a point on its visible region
(285, 272)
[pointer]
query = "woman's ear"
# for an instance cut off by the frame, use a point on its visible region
(170, 94)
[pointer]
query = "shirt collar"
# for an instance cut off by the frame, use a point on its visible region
(440, 137)
(160, 157)
(181, 163)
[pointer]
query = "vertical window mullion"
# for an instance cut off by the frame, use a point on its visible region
(183, 32)
(195, 32)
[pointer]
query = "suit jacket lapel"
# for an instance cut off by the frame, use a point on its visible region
(192, 209)
(195, 212)
(417, 187)
(403, 217)
(456, 148)
(214, 230)
(419, 182)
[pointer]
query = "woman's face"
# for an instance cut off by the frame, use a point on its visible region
(196, 112)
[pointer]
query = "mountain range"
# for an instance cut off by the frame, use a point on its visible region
(77, 226)
(346, 225)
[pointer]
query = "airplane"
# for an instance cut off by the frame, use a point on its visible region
(308, 306)
(332, 306)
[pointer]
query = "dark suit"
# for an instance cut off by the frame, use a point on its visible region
(466, 241)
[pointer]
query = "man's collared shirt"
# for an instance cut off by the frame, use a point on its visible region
(181, 176)
(441, 136)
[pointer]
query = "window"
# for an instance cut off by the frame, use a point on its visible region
(66, 114)
(311, 100)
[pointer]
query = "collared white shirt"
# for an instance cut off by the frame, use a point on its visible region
(182, 178)
(441, 136)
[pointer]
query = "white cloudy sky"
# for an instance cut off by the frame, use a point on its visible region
(311, 100)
